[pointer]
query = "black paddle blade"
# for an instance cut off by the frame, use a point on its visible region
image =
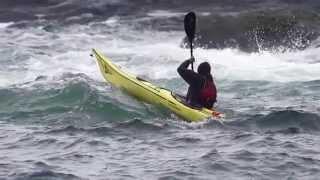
(190, 25)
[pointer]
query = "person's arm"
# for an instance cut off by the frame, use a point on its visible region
(188, 75)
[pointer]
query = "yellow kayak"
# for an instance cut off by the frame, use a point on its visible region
(145, 91)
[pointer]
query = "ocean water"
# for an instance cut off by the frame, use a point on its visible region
(59, 119)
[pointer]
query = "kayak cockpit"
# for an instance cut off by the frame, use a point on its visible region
(182, 99)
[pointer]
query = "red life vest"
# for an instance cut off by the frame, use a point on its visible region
(208, 93)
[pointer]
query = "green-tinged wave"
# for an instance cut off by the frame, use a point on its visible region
(70, 99)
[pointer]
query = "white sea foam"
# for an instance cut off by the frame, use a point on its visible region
(147, 53)
(112, 21)
(283, 67)
(5, 25)
(162, 13)
(160, 58)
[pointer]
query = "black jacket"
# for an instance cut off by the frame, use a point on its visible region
(196, 83)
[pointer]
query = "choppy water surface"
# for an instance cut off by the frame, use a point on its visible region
(60, 120)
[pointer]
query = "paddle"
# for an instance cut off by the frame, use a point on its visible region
(190, 28)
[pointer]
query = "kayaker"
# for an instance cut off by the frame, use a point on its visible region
(202, 91)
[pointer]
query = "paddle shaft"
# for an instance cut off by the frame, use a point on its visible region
(191, 52)
(190, 28)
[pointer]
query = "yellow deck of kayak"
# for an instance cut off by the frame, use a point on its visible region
(145, 91)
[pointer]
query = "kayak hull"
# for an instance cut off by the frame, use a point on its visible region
(145, 91)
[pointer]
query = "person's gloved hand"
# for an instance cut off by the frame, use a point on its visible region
(191, 60)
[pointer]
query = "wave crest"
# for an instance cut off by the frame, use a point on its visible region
(69, 99)
(286, 121)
